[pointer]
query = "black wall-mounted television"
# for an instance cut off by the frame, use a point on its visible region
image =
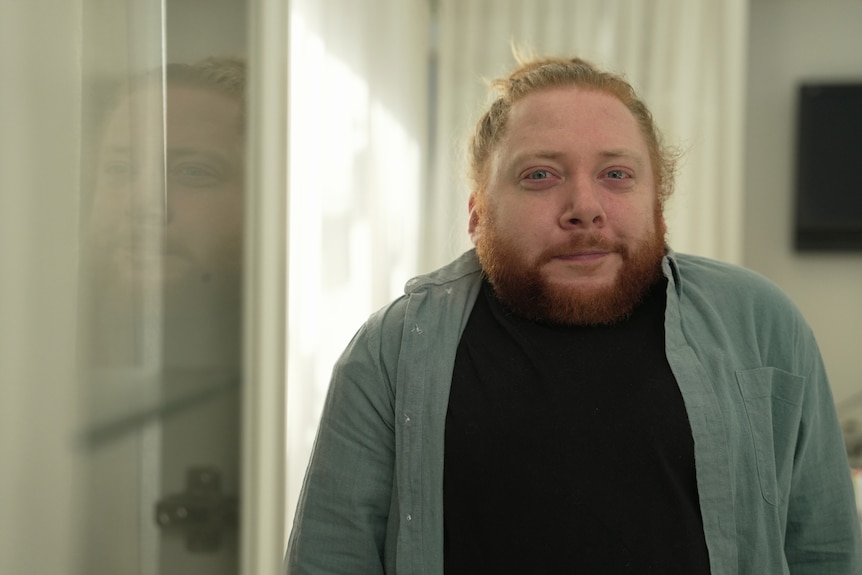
(829, 167)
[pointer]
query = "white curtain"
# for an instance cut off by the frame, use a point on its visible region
(686, 58)
(358, 105)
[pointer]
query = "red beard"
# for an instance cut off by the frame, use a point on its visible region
(521, 286)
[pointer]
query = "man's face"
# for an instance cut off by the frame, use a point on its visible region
(170, 211)
(569, 229)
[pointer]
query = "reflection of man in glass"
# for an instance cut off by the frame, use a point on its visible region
(163, 282)
(167, 215)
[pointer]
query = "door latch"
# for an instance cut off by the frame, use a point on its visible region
(203, 511)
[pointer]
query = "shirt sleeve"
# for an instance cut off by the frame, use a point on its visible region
(822, 535)
(341, 517)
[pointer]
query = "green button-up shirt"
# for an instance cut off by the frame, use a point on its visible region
(773, 480)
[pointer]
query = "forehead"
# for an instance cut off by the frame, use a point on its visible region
(573, 119)
(191, 112)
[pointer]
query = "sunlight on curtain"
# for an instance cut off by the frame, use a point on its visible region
(357, 128)
(686, 58)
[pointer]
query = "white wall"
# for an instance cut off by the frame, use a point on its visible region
(792, 40)
(39, 147)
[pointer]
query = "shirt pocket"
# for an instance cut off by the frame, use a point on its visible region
(773, 405)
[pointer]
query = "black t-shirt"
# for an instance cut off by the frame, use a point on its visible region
(568, 450)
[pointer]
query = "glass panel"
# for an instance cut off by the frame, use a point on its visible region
(162, 229)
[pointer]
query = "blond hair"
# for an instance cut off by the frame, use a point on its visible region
(538, 74)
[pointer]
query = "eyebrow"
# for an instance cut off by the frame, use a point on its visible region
(116, 150)
(623, 153)
(182, 152)
(613, 153)
(171, 152)
(543, 154)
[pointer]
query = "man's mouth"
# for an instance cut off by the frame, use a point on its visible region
(584, 254)
(151, 252)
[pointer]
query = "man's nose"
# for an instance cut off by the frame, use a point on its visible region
(150, 197)
(583, 207)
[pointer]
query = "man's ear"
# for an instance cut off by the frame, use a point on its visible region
(473, 223)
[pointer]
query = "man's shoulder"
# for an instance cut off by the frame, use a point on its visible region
(440, 298)
(729, 286)
(458, 278)
(465, 267)
(711, 274)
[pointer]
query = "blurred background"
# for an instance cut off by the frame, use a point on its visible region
(201, 201)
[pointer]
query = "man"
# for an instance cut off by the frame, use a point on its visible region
(164, 316)
(573, 396)
(167, 215)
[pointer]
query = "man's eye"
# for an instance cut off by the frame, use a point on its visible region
(117, 169)
(193, 171)
(539, 175)
(539, 178)
(195, 175)
(617, 175)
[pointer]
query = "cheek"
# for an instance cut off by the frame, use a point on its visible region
(632, 219)
(215, 205)
(526, 230)
(109, 211)
(217, 222)
(111, 193)
(533, 220)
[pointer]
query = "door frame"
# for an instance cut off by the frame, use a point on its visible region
(264, 458)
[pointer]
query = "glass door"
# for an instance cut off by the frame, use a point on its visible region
(161, 289)
(143, 255)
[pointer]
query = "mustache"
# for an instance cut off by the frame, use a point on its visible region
(581, 243)
(139, 242)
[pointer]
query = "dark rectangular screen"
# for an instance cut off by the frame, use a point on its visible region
(829, 167)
